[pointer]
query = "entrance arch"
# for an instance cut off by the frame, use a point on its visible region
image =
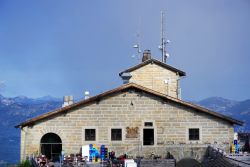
(51, 146)
(187, 162)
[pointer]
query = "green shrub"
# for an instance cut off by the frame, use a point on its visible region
(25, 163)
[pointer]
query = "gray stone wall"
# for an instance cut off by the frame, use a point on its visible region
(157, 78)
(129, 109)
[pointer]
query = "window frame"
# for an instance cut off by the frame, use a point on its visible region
(89, 141)
(154, 127)
(200, 134)
(144, 129)
(123, 134)
(111, 134)
(148, 124)
(85, 133)
(194, 136)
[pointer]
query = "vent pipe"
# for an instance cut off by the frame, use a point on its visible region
(125, 77)
(86, 95)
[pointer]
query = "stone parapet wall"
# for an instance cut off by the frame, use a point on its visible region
(178, 152)
(157, 163)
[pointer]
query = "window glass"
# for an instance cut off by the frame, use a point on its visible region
(116, 134)
(90, 135)
(148, 123)
(194, 134)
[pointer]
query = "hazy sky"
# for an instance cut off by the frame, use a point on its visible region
(64, 47)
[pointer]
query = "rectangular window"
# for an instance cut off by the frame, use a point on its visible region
(148, 124)
(194, 134)
(90, 135)
(116, 134)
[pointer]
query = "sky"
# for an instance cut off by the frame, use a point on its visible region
(64, 47)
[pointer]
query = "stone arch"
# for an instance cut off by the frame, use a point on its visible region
(51, 138)
(51, 146)
(187, 162)
(44, 131)
(195, 153)
(51, 130)
(57, 137)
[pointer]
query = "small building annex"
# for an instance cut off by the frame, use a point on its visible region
(143, 115)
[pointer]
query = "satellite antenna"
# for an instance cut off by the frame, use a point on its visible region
(137, 46)
(164, 41)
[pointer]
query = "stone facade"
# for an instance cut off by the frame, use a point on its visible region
(135, 109)
(130, 108)
(157, 78)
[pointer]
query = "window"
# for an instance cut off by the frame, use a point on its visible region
(116, 134)
(51, 146)
(90, 135)
(194, 134)
(148, 123)
(148, 136)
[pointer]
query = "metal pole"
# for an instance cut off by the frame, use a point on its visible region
(162, 37)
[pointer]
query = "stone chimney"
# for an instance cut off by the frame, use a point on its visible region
(146, 55)
(67, 100)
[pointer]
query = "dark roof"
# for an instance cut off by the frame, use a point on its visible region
(181, 73)
(124, 88)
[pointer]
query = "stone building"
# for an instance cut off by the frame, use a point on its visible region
(142, 116)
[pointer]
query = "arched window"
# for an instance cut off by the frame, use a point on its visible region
(51, 146)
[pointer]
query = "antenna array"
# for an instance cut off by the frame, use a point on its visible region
(164, 42)
(137, 45)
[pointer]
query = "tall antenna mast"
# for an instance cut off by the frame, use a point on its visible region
(164, 42)
(137, 46)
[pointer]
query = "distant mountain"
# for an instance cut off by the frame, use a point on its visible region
(241, 108)
(236, 109)
(48, 98)
(12, 112)
(18, 109)
(218, 104)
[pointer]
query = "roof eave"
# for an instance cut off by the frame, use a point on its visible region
(180, 72)
(122, 88)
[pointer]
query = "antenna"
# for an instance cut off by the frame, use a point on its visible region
(164, 42)
(137, 46)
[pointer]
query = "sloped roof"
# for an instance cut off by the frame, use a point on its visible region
(181, 73)
(124, 88)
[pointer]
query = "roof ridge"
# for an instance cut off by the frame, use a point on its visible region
(152, 60)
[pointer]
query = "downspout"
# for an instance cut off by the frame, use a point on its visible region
(23, 138)
(178, 91)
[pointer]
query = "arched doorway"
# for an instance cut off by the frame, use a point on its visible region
(188, 162)
(51, 146)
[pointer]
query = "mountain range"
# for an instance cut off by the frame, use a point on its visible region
(236, 109)
(18, 109)
(13, 111)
